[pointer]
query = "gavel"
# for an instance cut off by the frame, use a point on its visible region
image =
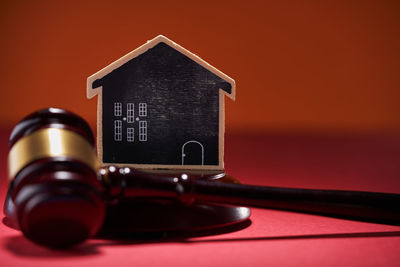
(58, 191)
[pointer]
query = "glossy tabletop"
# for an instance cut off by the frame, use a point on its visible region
(270, 237)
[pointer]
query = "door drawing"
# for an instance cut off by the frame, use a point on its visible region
(192, 153)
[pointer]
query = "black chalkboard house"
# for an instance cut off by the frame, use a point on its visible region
(161, 107)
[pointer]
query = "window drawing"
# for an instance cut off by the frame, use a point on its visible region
(117, 109)
(142, 109)
(117, 130)
(143, 131)
(130, 134)
(130, 112)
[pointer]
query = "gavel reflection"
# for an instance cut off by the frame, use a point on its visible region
(58, 192)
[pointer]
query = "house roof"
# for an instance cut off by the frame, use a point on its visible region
(92, 90)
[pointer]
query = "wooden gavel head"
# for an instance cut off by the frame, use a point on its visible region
(54, 187)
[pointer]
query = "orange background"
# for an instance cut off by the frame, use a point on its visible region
(330, 66)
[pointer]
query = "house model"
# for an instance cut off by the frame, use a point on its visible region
(161, 107)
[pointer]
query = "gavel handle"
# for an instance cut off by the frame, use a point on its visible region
(354, 205)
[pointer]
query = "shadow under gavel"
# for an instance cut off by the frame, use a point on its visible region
(58, 192)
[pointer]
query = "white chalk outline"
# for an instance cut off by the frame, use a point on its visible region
(184, 155)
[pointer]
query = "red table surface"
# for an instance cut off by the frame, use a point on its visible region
(274, 238)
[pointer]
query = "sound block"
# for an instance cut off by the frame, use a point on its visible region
(144, 215)
(164, 215)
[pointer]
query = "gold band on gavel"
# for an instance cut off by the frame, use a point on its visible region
(48, 143)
